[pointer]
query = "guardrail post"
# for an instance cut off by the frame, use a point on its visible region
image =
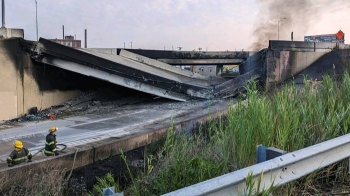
(265, 154)
(260, 153)
(272, 153)
(110, 192)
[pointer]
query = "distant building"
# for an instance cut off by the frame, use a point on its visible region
(230, 71)
(207, 70)
(68, 41)
(337, 37)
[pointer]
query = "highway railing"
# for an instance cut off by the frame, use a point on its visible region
(276, 172)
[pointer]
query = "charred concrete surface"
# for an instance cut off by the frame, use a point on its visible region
(98, 137)
(332, 63)
(28, 84)
(283, 60)
(24, 85)
(237, 84)
(193, 57)
(185, 57)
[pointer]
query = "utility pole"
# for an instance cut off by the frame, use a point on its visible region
(85, 38)
(131, 44)
(279, 28)
(3, 14)
(36, 19)
(124, 45)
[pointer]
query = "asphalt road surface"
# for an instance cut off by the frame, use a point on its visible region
(79, 130)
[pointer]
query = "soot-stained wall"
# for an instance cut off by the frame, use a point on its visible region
(25, 83)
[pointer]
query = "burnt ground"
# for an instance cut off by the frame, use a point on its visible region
(83, 179)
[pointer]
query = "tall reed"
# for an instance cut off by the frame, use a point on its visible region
(290, 119)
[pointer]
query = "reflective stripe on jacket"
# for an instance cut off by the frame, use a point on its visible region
(50, 145)
(19, 156)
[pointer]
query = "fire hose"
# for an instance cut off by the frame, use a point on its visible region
(60, 149)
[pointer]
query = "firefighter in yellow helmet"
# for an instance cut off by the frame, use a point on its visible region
(19, 154)
(50, 145)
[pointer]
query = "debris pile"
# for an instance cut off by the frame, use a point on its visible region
(102, 100)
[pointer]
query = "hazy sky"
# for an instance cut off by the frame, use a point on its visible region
(155, 24)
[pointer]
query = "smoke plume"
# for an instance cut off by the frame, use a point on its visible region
(291, 15)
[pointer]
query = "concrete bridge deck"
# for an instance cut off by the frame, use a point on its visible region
(186, 57)
(128, 71)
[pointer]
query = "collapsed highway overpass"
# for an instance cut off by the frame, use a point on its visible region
(279, 62)
(130, 70)
(36, 71)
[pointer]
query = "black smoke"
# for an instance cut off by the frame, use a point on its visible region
(294, 15)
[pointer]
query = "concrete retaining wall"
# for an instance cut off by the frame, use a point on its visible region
(285, 59)
(19, 88)
(283, 65)
(9, 33)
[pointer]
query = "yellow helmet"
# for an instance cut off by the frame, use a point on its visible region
(18, 144)
(53, 129)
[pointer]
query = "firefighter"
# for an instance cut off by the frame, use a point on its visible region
(50, 145)
(19, 155)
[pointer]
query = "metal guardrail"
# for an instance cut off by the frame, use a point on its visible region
(277, 171)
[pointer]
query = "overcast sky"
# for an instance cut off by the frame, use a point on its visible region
(155, 24)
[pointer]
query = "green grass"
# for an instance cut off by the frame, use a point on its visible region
(102, 183)
(290, 119)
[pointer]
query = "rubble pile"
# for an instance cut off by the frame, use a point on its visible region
(98, 101)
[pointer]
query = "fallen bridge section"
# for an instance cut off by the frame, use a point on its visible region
(161, 65)
(127, 72)
(233, 86)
